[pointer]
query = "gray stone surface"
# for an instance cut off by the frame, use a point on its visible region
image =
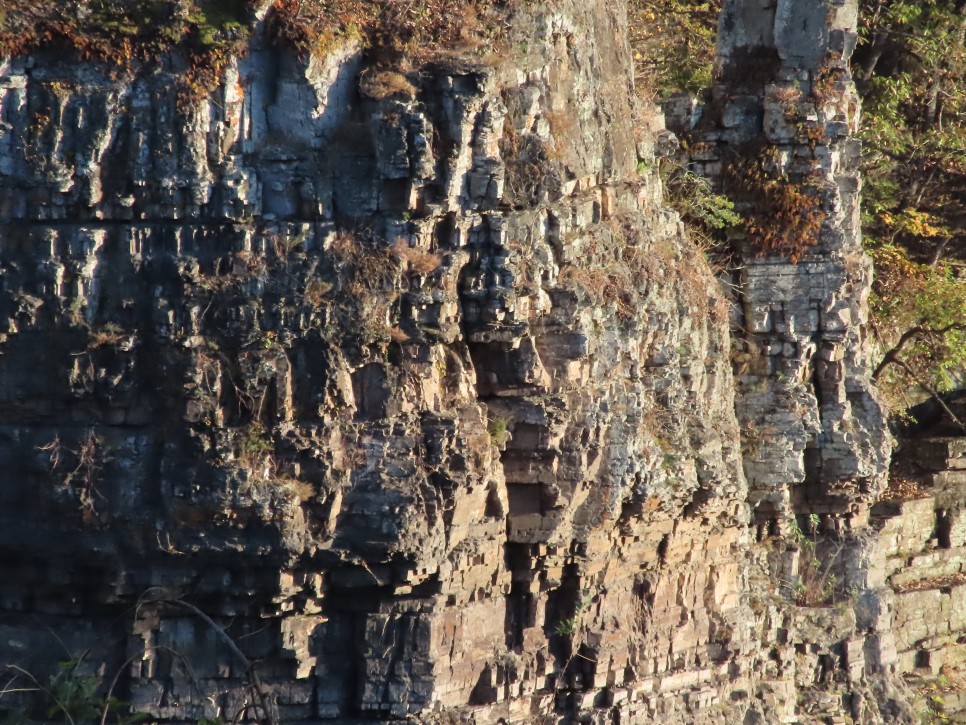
(429, 402)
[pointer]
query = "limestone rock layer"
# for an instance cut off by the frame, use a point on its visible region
(321, 403)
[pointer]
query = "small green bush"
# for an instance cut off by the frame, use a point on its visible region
(815, 584)
(498, 429)
(694, 198)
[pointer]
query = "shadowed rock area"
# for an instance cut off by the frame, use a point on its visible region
(356, 395)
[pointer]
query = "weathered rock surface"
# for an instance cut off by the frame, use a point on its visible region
(815, 444)
(428, 401)
(428, 394)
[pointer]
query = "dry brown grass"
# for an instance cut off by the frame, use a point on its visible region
(905, 480)
(108, 335)
(612, 285)
(404, 27)
(316, 291)
(254, 453)
(787, 94)
(370, 281)
(300, 491)
(937, 582)
(417, 260)
(398, 335)
(827, 79)
(368, 266)
(79, 468)
(788, 97)
(386, 84)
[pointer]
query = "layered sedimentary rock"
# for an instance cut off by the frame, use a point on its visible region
(920, 547)
(427, 393)
(816, 447)
(786, 87)
(324, 401)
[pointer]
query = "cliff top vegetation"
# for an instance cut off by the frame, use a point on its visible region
(127, 30)
(208, 33)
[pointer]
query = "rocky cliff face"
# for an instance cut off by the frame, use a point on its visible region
(356, 396)
(778, 138)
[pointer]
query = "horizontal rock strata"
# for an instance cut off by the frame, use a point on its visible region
(358, 394)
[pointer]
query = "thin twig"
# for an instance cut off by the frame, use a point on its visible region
(110, 690)
(913, 332)
(932, 391)
(40, 688)
(254, 680)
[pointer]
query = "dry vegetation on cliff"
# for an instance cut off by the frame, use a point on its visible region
(210, 31)
(205, 35)
(407, 26)
(128, 32)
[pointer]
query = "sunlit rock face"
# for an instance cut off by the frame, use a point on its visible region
(786, 93)
(423, 394)
(816, 448)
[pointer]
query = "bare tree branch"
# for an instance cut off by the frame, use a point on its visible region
(254, 681)
(932, 391)
(892, 356)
